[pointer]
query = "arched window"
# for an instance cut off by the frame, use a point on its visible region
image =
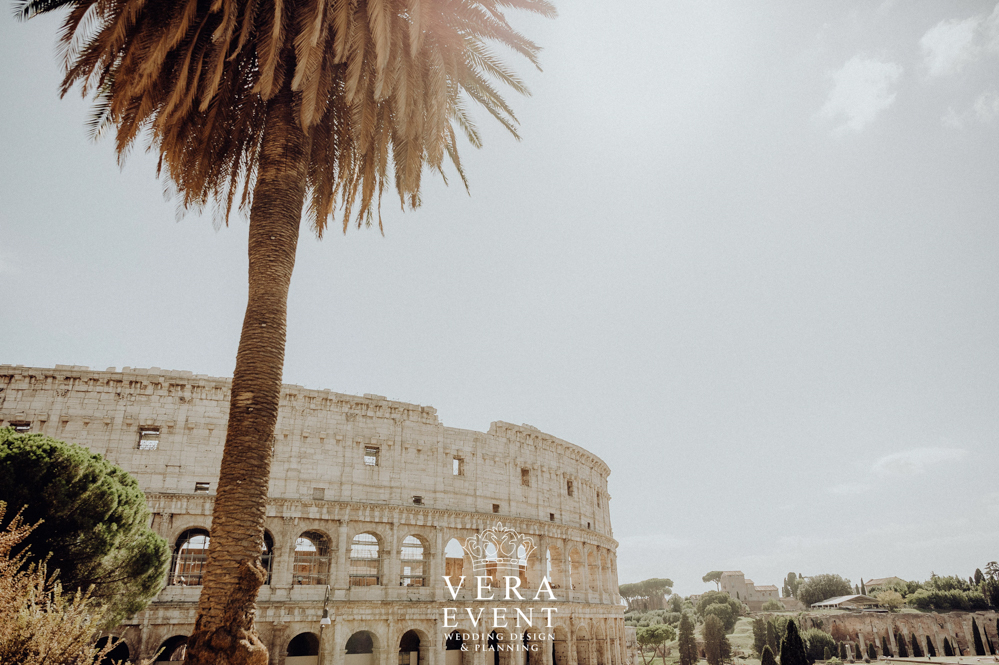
(575, 570)
(312, 558)
(119, 652)
(267, 556)
(409, 648)
(365, 560)
(412, 562)
(189, 558)
(360, 642)
(454, 560)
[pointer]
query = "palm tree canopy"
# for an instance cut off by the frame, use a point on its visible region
(379, 85)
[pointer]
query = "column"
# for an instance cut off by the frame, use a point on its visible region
(341, 575)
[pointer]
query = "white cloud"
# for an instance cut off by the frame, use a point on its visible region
(916, 461)
(862, 89)
(987, 106)
(950, 45)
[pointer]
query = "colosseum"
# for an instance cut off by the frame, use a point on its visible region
(370, 502)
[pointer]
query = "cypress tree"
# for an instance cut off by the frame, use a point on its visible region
(826, 654)
(792, 649)
(772, 636)
(686, 644)
(767, 657)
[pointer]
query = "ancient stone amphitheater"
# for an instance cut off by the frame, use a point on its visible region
(370, 501)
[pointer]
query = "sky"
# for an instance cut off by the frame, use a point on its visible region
(746, 252)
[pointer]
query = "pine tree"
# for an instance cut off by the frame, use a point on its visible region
(792, 649)
(863, 589)
(767, 657)
(686, 644)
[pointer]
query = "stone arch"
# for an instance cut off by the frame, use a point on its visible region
(453, 652)
(575, 570)
(413, 647)
(189, 556)
(365, 559)
(914, 643)
(303, 649)
(312, 558)
(267, 555)
(360, 647)
(560, 646)
(173, 650)
(872, 653)
(885, 648)
(414, 554)
(492, 644)
(605, 572)
(976, 635)
(592, 570)
(119, 652)
(584, 645)
(931, 651)
(600, 643)
(948, 650)
(454, 560)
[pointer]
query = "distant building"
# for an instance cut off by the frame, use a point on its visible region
(735, 584)
(853, 602)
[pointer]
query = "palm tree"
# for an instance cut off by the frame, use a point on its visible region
(285, 105)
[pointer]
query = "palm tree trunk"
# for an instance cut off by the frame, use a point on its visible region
(224, 632)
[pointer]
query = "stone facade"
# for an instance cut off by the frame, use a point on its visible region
(367, 495)
(908, 635)
(735, 584)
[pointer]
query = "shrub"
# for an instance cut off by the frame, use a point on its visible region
(772, 606)
(818, 644)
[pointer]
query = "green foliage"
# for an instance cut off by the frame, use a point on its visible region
(791, 584)
(772, 639)
(891, 599)
(724, 613)
(759, 635)
(713, 576)
(676, 604)
(954, 599)
(716, 645)
(729, 616)
(822, 587)
(646, 595)
(656, 638)
(946, 583)
(817, 643)
(826, 654)
(93, 521)
(41, 624)
(767, 657)
(686, 643)
(772, 606)
(792, 648)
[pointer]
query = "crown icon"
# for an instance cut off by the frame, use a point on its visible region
(499, 546)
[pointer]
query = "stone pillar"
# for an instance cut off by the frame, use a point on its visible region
(341, 574)
(390, 567)
(381, 656)
(279, 639)
(337, 647)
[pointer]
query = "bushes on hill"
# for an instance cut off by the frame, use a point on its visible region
(818, 644)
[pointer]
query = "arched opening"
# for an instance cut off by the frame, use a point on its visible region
(522, 561)
(119, 652)
(409, 648)
(365, 561)
(267, 555)
(189, 556)
(360, 649)
(452, 649)
(885, 649)
(173, 650)
(312, 559)
(583, 647)
(304, 644)
(605, 572)
(931, 651)
(592, 570)
(412, 562)
(914, 643)
(454, 560)
(948, 651)
(492, 644)
(575, 570)
(872, 653)
(527, 649)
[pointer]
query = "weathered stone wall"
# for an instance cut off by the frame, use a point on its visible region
(895, 634)
(321, 483)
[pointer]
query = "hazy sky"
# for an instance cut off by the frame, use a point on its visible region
(746, 252)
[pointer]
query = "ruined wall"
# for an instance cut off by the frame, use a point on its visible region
(910, 634)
